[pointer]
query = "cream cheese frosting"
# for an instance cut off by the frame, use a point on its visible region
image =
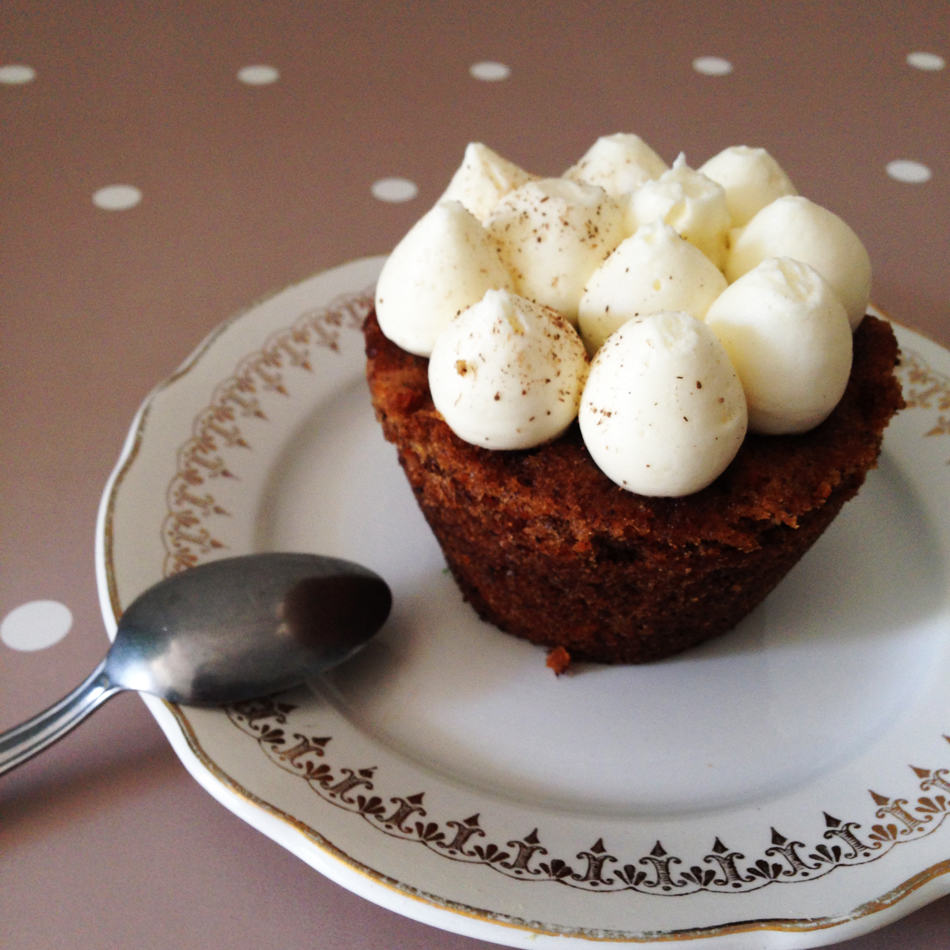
(751, 178)
(787, 334)
(483, 179)
(551, 234)
(690, 202)
(652, 270)
(668, 309)
(663, 411)
(444, 263)
(508, 373)
(793, 226)
(618, 163)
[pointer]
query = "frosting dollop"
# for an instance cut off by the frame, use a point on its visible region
(654, 269)
(551, 234)
(445, 262)
(618, 163)
(663, 411)
(751, 178)
(483, 179)
(787, 334)
(793, 226)
(507, 373)
(690, 202)
(712, 300)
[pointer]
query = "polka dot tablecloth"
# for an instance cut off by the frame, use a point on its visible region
(167, 165)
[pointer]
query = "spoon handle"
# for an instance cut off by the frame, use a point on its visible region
(21, 742)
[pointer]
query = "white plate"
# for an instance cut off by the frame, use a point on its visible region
(787, 785)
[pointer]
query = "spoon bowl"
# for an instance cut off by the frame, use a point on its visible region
(223, 632)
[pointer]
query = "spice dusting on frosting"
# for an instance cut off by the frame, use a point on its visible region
(668, 309)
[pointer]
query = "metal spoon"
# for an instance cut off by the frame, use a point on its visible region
(222, 632)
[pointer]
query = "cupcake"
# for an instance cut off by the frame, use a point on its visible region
(628, 399)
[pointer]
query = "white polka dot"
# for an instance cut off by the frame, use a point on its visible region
(394, 189)
(258, 75)
(712, 65)
(36, 625)
(16, 74)
(117, 197)
(928, 61)
(908, 171)
(489, 71)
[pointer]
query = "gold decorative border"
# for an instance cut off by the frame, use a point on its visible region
(721, 869)
(188, 533)
(925, 388)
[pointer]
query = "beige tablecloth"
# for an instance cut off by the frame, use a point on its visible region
(167, 164)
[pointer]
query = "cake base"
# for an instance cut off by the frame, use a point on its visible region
(543, 545)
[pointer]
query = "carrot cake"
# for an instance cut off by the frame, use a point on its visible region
(630, 397)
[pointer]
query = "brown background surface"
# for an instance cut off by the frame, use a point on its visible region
(105, 840)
